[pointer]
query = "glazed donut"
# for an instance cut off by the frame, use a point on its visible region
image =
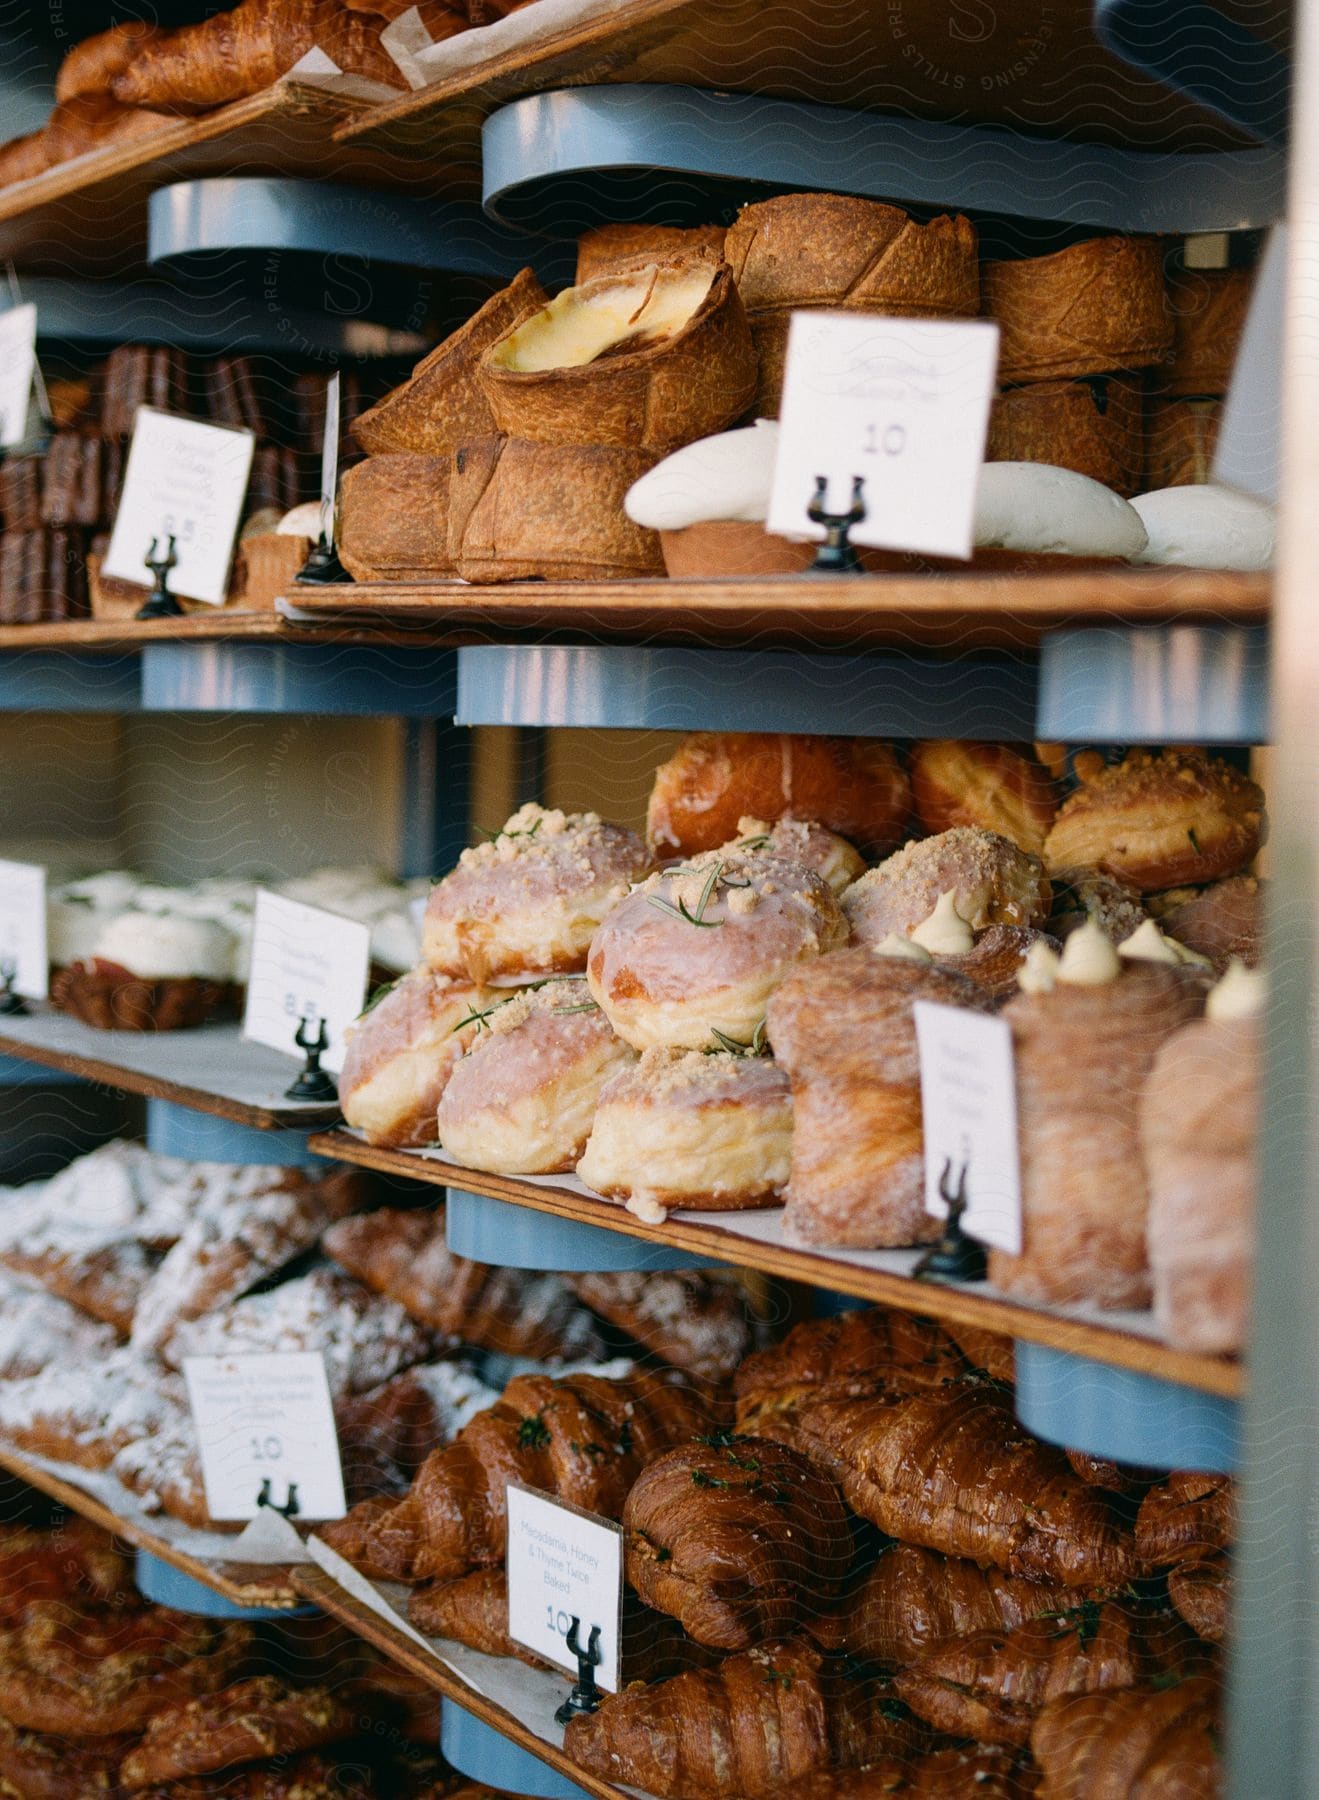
(990, 785)
(1159, 821)
(401, 1053)
(692, 955)
(682, 1129)
(991, 880)
(850, 785)
(521, 1100)
(802, 841)
(526, 903)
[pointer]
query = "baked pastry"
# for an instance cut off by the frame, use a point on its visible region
(401, 1053)
(909, 1601)
(387, 1434)
(78, 478)
(392, 518)
(36, 1767)
(582, 1438)
(1087, 310)
(843, 1028)
(991, 880)
(526, 903)
(740, 1539)
(143, 375)
(1222, 921)
(679, 1129)
(403, 1255)
(1134, 1744)
(43, 577)
(37, 1328)
(92, 65)
(1187, 1518)
(1091, 895)
(1206, 527)
(1115, 1477)
(693, 1321)
(1085, 1036)
(320, 1776)
(1094, 426)
(691, 957)
(715, 779)
(870, 1350)
(1199, 1118)
(990, 1351)
(992, 786)
(508, 521)
(380, 1536)
(1208, 309)
(1202, 1594)
(761, 1719)
(951, 1468)
(986, 1771)
(249, 1722)
(1158, 820)
(804, 842)
(75, 1561)
(1180, 439)
(521, 1101)
(149, 972)
(441, 406)
(646, 358)
(20, 492)
(606, 249)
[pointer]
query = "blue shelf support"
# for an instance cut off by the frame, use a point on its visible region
(1120, 1413)
(479, 1751)
(517, 1237)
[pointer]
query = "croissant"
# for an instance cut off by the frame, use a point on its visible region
(234, 54)
(953, 1470)
(1184, 1519)
(257, 1718)
(1202, 1594)
(91, 66)
(990, 1686)
(689, 1319)
(910, 1600)
(583, 1438)
(870, 1351)
(757, 1721)
(987, 1350)
(981, 1770)
(1131, 1745)
(1117, 1478)
(381, 1537)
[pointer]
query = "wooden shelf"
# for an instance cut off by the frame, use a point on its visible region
(204, 628)
(243, 1584)
(213, 1069)
(755, 1240)
(1038, 67)
(978, 610)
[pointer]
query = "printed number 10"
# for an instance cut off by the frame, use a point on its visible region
(892, 442)
(557, 1621)
(267, 1449)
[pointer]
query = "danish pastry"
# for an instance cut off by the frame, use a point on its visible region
(990, 785)
(691, 957)
(681, 1129)
(526, 903)
(992, 883)
(401, 1053)
(522, 1099)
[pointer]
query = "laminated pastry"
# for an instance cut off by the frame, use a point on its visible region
(869, 1350)
(75, 1560)
(1117, 1478)
(234, 54)
(582, 1438)
(440, 406)
(21, 479)
(401, 1052)
(1088, 895)
(760, 1719)
(1206, 527)
(1087, 310)
(403, 1255)
(87, 1414)
(642, 359)
(526, 903)
(521, 511)
(693, 954)
(248, 1722)
(1158, 821)
(380, 1536)
(991, 1351)
(606, 249)
(983, 1770)
(92, 65)
(910, 1601)
(43, 577)
(1186, 1519)
(1180, 439)
(695, 1322)
(1094, 427)
(1202, 1594)
(392, 518)
(993, 960)
(522, 1098)
(143, 375)
(740, 1539)
(991, 880)
(802, 841)
(1132, 1744)
(993, 786)
(951, 1468)
(147, 972)
(681, 1129)
(1223, 920)
(37, 1329)
(1208, 309)
(1199, 1120)
(853, 786)
(843, 1028)
(1030, 510)
(385, 1435)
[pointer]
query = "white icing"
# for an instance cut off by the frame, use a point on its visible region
(1206, 527)
(1038, 973)
(1241, 993)
(902, 949)
(164, 947)
(1088, 958)
(945, 932)
(1148, 944)
(1036, 507)
(728, 476)
(72, 927)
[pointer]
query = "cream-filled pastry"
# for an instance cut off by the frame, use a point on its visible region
(802, 841)
(148, 972)
(691, 957)
(991, 881)
(401, 1053)
(526, 903)
(522, 1098)
(680, 1128)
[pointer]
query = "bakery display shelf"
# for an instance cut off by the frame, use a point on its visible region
(755, 1240)
(241, 1584)
(1037, 66)
(978, 610)
(196, 628)
(212, 1069)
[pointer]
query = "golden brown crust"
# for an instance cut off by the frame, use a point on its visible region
(91, 66)
(401, 1052)
(987, 1350)
(1159, 821)
(74, 1561)
(1116, 1478)
(36, 1767)
(1202, 1594)
(248, 1722)
(871, 1350)
(1131, 1744)
(954, 1774)
(1094, 426)
(1087, 310)
(1208, 310)
(1185, 1519)
(1180, 439)
(392, 518)
(110, 998)
(995, 960)
(381, 1537)
(853, 786)
(690, 1320)
(1223, 920)
(993, 883)
(441, 406)
(993, 786)
(606, 249)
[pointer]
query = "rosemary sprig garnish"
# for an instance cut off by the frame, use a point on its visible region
(385, 988)
(680, 910)
(493, 837)
(533, 1433)
(478, 1017)
(754, 1048)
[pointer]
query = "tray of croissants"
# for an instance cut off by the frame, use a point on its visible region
(716, 1018)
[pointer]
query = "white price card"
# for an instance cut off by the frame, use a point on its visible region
(969, 1111)
(187, 481)
(23, 928)
(265, 1429)
(564, 1564)
(307, 964)
(18, 366)
(902, 404)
